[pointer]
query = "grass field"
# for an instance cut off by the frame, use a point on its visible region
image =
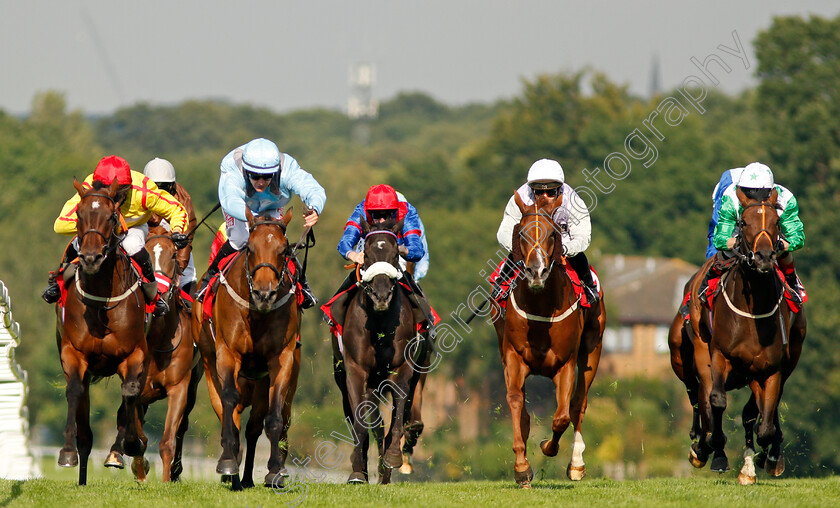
(705, 493)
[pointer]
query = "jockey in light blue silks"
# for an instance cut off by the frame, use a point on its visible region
(259, 177)
(727, 178)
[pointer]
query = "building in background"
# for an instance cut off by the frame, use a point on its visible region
(16, 461)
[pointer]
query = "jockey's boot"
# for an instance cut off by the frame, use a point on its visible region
(52, 293)
(581, 267)
(150, 288)
(793, 282)
(309, 299)
(500, 287)
(224, 251)
(418, 300)
(715, 270)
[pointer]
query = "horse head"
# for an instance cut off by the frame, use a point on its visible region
(164, 255)
(536, 238)
(97, 222)
(265, 259)
(759, 228)
(382, 264)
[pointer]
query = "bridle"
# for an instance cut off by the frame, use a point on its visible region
(365, 277)
(742, 249)
(280, 273)
(110, 244)
(537, 245)
(175, 278)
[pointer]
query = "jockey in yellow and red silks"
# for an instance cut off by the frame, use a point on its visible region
(140, 199)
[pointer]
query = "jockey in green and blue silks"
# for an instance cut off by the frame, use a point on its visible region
(381, 198)
(727, 178)
(259, 177)
(756, 181)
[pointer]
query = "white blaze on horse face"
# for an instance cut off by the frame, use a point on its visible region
(577, 450)
(94, 205)
(157, 249)
(270, 237)
(380, 244)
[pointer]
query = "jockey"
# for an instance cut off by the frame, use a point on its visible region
(727, 178)
(162, 172)
(259, 177)
(382, 203)
(545, 177)
(756, 181)
(138, 198)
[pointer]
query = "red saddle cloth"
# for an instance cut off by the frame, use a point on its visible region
(573, 276)
(712, 291)
(224, 267)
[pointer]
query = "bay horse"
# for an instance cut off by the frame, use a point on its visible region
(546, 332)
(100, 331)
(174, 370)
(249, 350)
(749, 338)
(378, 327)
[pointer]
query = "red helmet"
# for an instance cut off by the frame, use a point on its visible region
(112, 167)
(381, 197)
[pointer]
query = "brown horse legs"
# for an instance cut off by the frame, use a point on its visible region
(717, 399)
(515, 374)
(175, 406)
(78, 421)
(228, 370)
(563, 385)
(284, 370)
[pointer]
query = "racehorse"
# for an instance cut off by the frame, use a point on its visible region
(378, 327)
(545, 331)
(100, 330)
(750, 337)
(249, 350)
(173, 371)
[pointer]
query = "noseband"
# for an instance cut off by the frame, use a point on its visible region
(536, 245)
(174, 279)
(365, 277)
(110, 244)
(280, 273)
(743, 250)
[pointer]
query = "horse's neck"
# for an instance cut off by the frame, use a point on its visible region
(763, 288)
(555, 294)
(114, 273)
(388, 320)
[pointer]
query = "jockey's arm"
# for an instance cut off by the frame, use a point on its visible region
(352, 232)
(512, 216)
(725, 228)
(294, 178)
(232, 190)
(791, 225)
(165, 205)
(65, 224)
(580, 226)
(411, 235)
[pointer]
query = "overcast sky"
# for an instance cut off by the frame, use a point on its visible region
(104, 54)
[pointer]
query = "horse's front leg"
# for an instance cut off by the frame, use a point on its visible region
(400, 391)
(75, 370)
(192, 392)
(362, 407)
(115, 457)
(515, 373)
(413, 427)
(259, 410)
(748, 419)
(769, 433)
(700, 450)
(717, 399)
(132, 370)
(175, 413)
(285, 370)
(84, 435)
(227, 367)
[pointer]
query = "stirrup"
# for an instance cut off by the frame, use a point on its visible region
(52, 293)
(309, 299)
(592, 295)
(161, 307)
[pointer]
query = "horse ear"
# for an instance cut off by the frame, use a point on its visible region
(288, 217)
(250, 217)
(774, 196)
(518, 199)
(113, 188)
(741, 196)
(365, 226)
(79, 187)
(398, 226)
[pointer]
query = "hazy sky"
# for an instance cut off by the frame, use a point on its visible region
(104, 54)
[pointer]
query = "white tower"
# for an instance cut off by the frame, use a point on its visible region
(17, 462)
(360, 106)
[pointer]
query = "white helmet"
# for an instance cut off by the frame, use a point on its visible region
(261, 156)
(160, 171)
(756, 176)
(545, 174)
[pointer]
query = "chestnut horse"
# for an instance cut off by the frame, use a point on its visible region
(173, 372)
(545, 331)
(100, 330)
(378, 327)
(750, 337)
(249, 350)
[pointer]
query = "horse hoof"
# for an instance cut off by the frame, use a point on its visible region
(284, 473)
(524, 477)
(549, 447)
(146, 466)
(393, 459)
(274, 480)
(134, 448)
(175, 472)
(68, 458)
(406, 468)
(775, 467)
(746, 479)
(720, 464)
(249, 484)
(357, 479)
(697, 457)
(227, 467)
(576, 473)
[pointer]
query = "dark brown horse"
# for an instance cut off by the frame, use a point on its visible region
(249, 350)
(545, 331)
(378, 328)
(749, 338)
(101, 330)
(174, 371)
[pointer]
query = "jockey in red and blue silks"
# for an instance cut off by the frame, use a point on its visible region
(383, 201)
(727, 178)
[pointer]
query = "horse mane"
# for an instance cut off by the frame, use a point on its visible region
(516, 246)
